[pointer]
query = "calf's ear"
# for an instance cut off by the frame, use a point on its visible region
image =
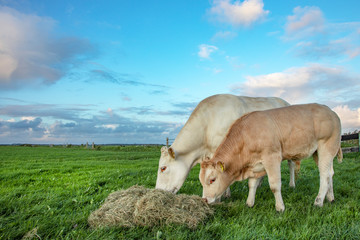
(171, 152)
(220, 166)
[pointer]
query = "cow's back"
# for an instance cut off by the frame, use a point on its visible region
(212, 118)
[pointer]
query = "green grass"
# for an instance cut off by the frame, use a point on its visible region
(350, 143)
(55, 190)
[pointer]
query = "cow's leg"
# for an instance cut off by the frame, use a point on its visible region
(273, 170)
(292, 173)
(325, 164)
(227, 193)
(253, 184)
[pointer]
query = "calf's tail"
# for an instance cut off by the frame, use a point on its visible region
(340, 155)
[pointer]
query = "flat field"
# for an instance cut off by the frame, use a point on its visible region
(48, 193)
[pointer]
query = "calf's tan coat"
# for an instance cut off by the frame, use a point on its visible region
(256, 144)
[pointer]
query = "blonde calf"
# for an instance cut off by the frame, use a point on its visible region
(256, 144)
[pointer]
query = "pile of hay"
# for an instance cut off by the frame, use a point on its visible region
(139, 206)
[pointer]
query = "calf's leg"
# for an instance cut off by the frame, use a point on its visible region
(273, 170)
(330, 192)
(227, 193)
(253, 184)
(292, 173)
(325, 165)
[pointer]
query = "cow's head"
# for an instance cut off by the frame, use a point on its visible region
(171, 173)
(214, 179)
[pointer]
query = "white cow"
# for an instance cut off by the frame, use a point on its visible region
(203, 133)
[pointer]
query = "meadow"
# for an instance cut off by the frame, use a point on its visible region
(49, 192)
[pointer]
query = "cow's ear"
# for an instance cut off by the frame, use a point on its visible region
(220, 165)
(171, 152)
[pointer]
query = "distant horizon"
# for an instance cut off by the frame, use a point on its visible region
(119, 144)
(74, 144)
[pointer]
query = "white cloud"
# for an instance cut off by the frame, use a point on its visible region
(292, 77)
(353, 52)
(350, 118)
(126, 99)
(333, 86)
(234, 62)
(217, 70)
(206, 50)
(110, 112)
(224, 35)
(109, 126)
(7, 66)
(314, 82)
(238, 13)
(317, 38)
(305, 21)
(30, 53)
(316, 49)
(12, 120)
(28, 118)
(55, 124)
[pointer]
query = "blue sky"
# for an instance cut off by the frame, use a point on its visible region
(133, 71)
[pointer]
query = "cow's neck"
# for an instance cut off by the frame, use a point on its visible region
(190, 157)
(189, 146)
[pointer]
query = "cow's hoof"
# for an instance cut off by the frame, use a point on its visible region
(280, 208)
(330, 198)
(250, 204)
(318, 202)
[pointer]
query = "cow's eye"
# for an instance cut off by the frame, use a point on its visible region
(163, 169)
(212, 180)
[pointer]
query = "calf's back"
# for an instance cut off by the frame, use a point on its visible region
(294, 130)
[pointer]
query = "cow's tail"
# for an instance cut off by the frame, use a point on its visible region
(340, 155)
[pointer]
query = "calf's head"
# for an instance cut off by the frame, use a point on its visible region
(171, 173)
(214, 179)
